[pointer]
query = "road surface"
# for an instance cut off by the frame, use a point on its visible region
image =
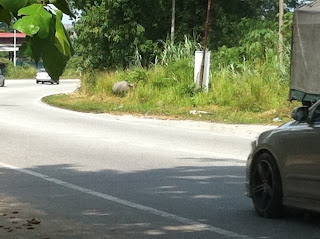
(102, 176)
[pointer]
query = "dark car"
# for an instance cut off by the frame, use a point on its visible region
(283, 168)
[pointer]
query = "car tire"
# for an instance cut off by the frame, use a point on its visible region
(266, 187)
(37, 82)
(58, 82)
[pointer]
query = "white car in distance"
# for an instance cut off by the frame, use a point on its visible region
(43, 76)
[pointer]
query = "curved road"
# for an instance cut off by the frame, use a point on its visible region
(102, 176)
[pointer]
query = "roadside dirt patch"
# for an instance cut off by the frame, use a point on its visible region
(23, 221)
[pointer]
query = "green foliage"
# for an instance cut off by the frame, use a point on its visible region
(26, 71)
(155, 17)
(36, 20)
(5, 15)
(118, 34)
(248, 77)
(174, 52)
(259, 44)
(61, 40)
(72, 69)
(13, 6)
(246, 74)
(46, 36)
(63, 6)
(108, 37)
(169, 90)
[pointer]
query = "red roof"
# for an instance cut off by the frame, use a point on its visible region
(11, 35)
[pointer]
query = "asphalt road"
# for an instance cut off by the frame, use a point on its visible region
(102, 176)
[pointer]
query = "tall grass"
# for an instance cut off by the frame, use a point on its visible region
(175, 52)
(255, 88)
(247, 79)
(25, 71)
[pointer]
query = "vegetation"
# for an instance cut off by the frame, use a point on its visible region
(114, 34)
(168, 91)
(117, 40)
(248, 83)
(27, 70)
(46, 38)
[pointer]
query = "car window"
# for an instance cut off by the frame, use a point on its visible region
(316, 115)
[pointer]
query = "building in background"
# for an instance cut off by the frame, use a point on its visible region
(11, 42)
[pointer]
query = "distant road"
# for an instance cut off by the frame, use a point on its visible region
(102, 176)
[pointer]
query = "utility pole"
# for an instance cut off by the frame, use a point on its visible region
(14, 47)
(173, 19)
(281, 12)
(205, 43)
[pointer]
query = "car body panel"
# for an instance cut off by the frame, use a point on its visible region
(2, 80)
(295, 148)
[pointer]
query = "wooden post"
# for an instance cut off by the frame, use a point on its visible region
(281, 11)
(205, 44)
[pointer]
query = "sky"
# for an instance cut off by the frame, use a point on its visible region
(66, 19)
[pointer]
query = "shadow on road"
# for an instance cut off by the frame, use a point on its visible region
(209, 195)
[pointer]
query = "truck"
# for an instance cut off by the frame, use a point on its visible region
(305, 55)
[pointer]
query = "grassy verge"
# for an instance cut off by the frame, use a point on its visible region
(255, 96)
(222, 114)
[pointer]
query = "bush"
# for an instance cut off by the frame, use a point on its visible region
(26, 71)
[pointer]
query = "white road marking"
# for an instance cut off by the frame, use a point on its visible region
(195, 224)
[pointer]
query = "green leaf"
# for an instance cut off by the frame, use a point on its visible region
(54, 61)
(36, 20)
(5, 15)
(63, 6)
(44, 48)
(25, 26)
(61, 41)
(13, 5)
(31, 48)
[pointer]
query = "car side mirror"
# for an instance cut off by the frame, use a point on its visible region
(300, 114)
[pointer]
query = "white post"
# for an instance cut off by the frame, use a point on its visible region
(14, 47)
(206, 69)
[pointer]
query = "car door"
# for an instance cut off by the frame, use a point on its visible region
(303, 162)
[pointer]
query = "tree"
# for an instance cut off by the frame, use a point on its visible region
(46, 35)
(109, 36)
(113, 33)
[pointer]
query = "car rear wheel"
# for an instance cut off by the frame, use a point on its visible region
(266, 186)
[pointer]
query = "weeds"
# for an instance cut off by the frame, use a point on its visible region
(169, 90)
(248, 84)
